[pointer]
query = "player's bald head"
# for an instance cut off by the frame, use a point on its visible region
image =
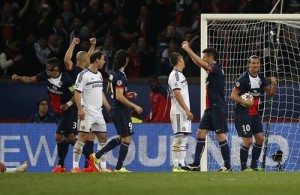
(81, 56)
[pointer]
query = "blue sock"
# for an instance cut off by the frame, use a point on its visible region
(87, 150)
(256, 150)
(244, 157)
(225, 153)
(122, 155)
(62, 150)
(109, 146)
(199, 150)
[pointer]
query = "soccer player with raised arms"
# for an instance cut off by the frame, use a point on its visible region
(214, 117)
(247, 120)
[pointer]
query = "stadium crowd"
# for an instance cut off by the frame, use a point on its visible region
(34, 30)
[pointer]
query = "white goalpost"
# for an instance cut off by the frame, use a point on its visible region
(275, 38)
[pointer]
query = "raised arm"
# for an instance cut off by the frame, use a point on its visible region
(68, 56)
(196, 59)
(93, 45)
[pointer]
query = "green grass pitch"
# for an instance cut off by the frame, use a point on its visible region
(154, 183)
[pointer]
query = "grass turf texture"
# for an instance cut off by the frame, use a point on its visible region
(154, 183)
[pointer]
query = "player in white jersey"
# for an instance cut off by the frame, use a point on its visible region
(89, 99)
(180, 113)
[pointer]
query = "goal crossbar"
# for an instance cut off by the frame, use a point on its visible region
(207, 17)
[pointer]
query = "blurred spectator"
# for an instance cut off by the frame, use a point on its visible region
(67, 13)
(61, 33)
(43, 51)
(147, 57)
(164, 66)
(91, 12)
(45, 16)
(43, 115)
(9, 16)
(134, 64)
(160, 102)
(75, 27)
(106, 19)
(10, 57)
(122, 38)
(109, 50)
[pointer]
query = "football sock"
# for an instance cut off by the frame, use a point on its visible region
(199, 150)
(256, 150)
(62, 150)
(122, 155)
(88, 149)
(77, 150)
(10, 170)
(182, 152)
(175, 151)
(244, 157)
(225, 153)
(103, 158)
(109, 146)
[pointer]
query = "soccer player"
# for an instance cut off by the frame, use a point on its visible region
(180, 113)
(214, 117)
(60, 90)
(19, 169)
(117, 87)
(247, 120)
(82, 62)
(89, 98)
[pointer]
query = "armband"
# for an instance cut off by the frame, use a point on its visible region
(69, 103)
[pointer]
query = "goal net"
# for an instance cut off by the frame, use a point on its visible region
(275, 38)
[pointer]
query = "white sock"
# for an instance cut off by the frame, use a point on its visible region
(182, 152)
(175, 149)
(11, 170)
(103, 158)
(77, 151)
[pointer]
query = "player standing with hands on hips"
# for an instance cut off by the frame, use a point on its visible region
(248, 88)
(214, 117)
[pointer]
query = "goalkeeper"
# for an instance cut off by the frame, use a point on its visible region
(248, 88)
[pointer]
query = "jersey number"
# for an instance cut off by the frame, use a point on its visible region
(246, 128)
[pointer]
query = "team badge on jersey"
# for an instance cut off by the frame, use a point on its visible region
(183, 129)
(119, 83)
(237, 84)
(82, 127)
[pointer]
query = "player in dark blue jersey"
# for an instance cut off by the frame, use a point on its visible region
(246, 93)
(60, 90)
(120, 111)
(215, 115)
(82, 62)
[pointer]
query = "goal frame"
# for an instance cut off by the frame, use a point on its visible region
(205, 18)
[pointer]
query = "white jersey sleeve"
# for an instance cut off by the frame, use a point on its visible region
(178, 81)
